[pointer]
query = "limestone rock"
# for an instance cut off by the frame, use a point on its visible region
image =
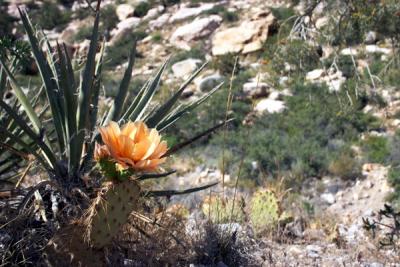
(183, 69)
(270, 106)
(256, 89)
(195, 30)
(207, 83)
(124, 11)
(248, 37)
(187, 12)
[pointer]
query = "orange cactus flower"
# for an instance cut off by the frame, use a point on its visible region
(133, 146)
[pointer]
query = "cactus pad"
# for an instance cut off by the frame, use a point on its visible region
(110, 211)
(264, 210)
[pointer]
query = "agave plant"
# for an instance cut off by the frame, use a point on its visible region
(65, 146)
(11, 153)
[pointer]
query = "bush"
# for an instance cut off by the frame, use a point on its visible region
(111, 21)
(301, 57)
(120, 51)
(344, 63)
(50, 16)
(394, 181)
(359, 16)
(141, 9)
(6, 22)
(345, 165)
(166, 3)
(225, 64)
(213, 111)
(303, 140)
(195, 52)
(230, 16)
(376, 149)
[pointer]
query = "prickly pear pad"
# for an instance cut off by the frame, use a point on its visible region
(110, 211)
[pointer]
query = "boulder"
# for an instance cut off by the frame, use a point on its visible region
(183, 69)
(256, 89)
(124, 27)
(195, 30)
(270, 106)
(68, 35)
(159, 22)
(187, 12)
(371, 38)
(376, 49)
(207, 83)
(314, 74)
(334, 79)
(124, 11)
(248, 37)
(154, 12)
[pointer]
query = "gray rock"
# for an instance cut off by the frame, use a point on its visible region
(187, 12)
(124, 11)
(195, 30)
(371, 38)
(313, 251)
(248, 37)
(159, 22)
(183, 69)
(208, 83)
(328, 198)
(256, 89)
(270, 106)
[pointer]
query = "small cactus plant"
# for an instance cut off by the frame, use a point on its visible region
(223, 210)
(264, 210)
(110, 210)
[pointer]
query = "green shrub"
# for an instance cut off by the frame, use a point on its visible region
(157, 37)
(83, 33)
(301, 56)
(230, 16)
(50, 16)
(282, 13)
(394, 181)
(119, 52)
(303, 140)
(344, 63)
(167, 3)
(359, 16)
(213, 111)
(109, 12)
(6, 22)
(225, 64)
(141, 9)
(377, 149)
(345, 165)
(195, 52)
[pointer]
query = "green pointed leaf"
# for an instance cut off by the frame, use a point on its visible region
(179, 146)
(188, 108)
(168, 193)
(160, 113)
(147, 95)
(85, 93)
(48, 78)
(22, 99)
(38, 140)
(155, 175)
(134, 103)
(118, 104)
